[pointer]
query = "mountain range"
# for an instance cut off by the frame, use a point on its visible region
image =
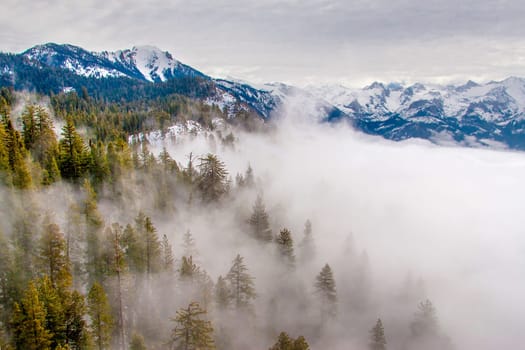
(471, 114)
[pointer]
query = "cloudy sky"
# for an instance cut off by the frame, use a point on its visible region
(296, 41)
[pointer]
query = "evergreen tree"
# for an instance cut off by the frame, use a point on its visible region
(425, 320)
(55, 315)
(259, 222)
(54, 256)
(74, 158)
(326, 291)
(285, 342)
(29, 321)
(167, 254)
(307, 247)
(241, 284)
(189, 248)
(99, 312)
(285, 247)
(212, 180)
(191, 332)
(188, 271)
(17, 155)
(152, 248)
(377, 337)
(94, 225)
(5, 170)
(222, 294)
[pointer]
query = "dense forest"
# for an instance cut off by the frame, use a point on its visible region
(112, 244)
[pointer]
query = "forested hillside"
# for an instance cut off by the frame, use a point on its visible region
(108, 245)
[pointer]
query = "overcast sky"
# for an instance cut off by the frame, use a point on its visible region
(295, 41)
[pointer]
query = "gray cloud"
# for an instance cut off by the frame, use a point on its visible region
(295, 41)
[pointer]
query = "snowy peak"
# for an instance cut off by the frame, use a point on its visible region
(140, 62)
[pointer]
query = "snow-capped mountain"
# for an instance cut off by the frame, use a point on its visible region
(469, 113)
(141, 62)
(472, 114)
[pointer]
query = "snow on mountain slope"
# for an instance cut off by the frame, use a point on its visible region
(141, 62)
(494, 101)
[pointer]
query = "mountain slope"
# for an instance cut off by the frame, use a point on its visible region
(472, 114)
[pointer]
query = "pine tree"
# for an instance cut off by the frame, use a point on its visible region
(285, 342)
(241, 284)
(259, 222)
(189, 248)
(152, 248)
(212, 178)
(116, 268)
(326, 291)
(222, 294)
(54, 256)
(377, 337)
(28, 322)
(55, 315)
(17, 155)
(74, 158)
(285, 247)
(425, 320)
(188, 271)
(191, 332)
(94, 226)
(167, 254)
(99, 312)
(5, 170)
(307, 247)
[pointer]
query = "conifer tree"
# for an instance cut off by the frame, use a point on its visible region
(55, 315)
(191, 332)
(29, 321)
(152, 248)
(53, 255)
(377, 337)
(5, 170)
(285, 247)
(189, 248)
(167, 254)
(222, 294)
(259, 222)
(74, 158)
(188, 271)
(326, 291)
(241, 284)
(307, 248)
(17, 154)
(99, 312)
(285, 342)
(94, 225)
(425, 320)
(212, 179)
(6, 280)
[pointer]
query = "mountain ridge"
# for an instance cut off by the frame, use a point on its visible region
(471, 113)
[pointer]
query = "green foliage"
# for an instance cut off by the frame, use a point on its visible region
(285, 247)
(326, 291)
(285, 342)
(28, 323)
(167, 254)
(377, 337)
(241, 285)
(191, 332)
(53, 255)
(74, 157)
(99, 312)
(259, 222)
(211, 181)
